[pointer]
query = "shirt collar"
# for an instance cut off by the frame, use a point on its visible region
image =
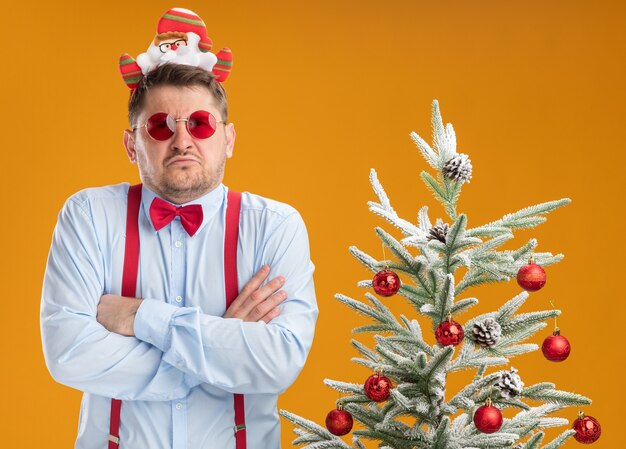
(211, 202)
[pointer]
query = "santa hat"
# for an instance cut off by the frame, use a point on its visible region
(185, 21)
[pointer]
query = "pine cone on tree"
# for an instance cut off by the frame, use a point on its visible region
(458, 168)
(486, 333)
(510, 383)
(438, 232)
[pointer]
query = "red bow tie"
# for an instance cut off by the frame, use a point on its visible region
(162, 213)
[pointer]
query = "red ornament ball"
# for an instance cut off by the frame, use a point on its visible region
(488, 419)
(531, 277)
(587, 429)
(377, 387)
(449, 333)
(556, 347)
(386, 283)
(339, 422)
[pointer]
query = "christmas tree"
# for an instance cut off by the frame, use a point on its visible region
(405, 404)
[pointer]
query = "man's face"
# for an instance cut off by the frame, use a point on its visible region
(183, 167)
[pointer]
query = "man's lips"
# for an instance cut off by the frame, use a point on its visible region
(182, 161)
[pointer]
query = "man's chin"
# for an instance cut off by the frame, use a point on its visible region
(184, 175)
(184, 185)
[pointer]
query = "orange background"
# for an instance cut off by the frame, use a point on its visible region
(322, 91)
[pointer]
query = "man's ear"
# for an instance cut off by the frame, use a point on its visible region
(129, 144)
(229, 130)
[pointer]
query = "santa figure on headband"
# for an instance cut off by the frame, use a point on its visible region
(181, 39)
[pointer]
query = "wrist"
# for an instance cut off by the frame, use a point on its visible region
(129, 324)
(152, 322)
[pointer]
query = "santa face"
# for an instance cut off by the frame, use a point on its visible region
(168, 46)
(172, 41)
(179, 48)
(172, 45)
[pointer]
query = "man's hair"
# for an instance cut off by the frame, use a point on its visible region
(178, 75)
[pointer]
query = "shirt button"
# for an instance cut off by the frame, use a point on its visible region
(179, 406)
(179, 299)
(178, 243)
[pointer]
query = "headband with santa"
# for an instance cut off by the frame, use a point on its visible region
(181, 39)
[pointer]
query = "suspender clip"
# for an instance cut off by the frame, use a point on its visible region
(239, 427)
(113, 439)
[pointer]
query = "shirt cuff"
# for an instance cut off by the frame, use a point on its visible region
(152, 323)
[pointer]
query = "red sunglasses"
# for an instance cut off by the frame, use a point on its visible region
(162, 126)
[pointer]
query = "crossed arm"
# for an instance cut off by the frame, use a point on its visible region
(146, 349)
(256, 302)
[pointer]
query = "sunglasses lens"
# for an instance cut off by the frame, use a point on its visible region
(201, 124)
(158, 127)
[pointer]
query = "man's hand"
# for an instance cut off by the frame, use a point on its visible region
(117, 314)
(256, 303)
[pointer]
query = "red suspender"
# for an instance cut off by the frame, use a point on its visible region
(131, 250)
(231, 236)
(129, 286)
(230, 246)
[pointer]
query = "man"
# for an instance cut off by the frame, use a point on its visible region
(174, 353)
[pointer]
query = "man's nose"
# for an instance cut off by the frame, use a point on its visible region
(173, 47)
(182, 139)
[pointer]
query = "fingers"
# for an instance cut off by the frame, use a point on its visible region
(260, 295)
(257, 302)
(269, 316)
(239, 308)
(245, 304)
(256, 281)
(261, 309)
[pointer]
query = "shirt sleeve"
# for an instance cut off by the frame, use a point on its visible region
(236, 356)
(81, 353)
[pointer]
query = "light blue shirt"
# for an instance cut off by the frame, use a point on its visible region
(177, 375)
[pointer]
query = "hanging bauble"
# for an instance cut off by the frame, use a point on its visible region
(587, 429)
(386, 283)
(339, 421)
(531, 277)
(556, 347)
(488, 419)
(377, 387)
(449, 333)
